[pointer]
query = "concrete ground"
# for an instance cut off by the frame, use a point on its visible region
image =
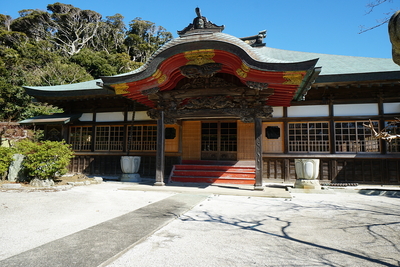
(127, 224)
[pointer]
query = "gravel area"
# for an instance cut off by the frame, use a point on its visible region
(29, 219)
(334, 228)
(310, 230)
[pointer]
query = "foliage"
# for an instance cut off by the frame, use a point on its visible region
(45, 160)
(13, 101)
(6, 154)
(33, 23)
(110, 35)
(72, 27)
(100, 63)
(65, 45)
(55, 73)
(144, 38)
(15, 104)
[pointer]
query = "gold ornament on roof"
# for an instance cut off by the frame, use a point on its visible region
(121, 88)
(159, 76)
(200, 57)
(243, 70)
(293, 77)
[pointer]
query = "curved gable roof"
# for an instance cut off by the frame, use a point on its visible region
(217, 41)
(224, 52)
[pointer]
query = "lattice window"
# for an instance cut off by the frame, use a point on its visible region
(309, 137)
(219, 136)
(209, 136)
(393, 129)
(354, 137)
(143, 138)
(109, 138)
(80, 138)
(228, 136)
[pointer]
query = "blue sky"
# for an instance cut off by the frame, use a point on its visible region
(321, 26)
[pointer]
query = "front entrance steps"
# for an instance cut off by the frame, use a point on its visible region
(208, 171)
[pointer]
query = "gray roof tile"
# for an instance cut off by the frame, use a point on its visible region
(334, 64)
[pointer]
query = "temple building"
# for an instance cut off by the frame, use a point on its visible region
(211, 107)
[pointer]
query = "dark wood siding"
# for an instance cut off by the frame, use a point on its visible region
(337, 170)
(110, 165)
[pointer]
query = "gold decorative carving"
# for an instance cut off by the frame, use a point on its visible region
(213, 82)
(200, 57)
(159, 76)
(243, 70)
(293, 77)
(203, 71)
(121, 88)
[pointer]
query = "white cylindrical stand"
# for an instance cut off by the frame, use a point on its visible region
(130, 166)
(307, 171)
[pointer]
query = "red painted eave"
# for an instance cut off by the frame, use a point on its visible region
(168, 74)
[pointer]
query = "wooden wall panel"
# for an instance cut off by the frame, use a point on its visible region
(246, 141)
(191, 140)
(172, 145)
(273, 145)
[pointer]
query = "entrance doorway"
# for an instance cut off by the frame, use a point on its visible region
(218, 140)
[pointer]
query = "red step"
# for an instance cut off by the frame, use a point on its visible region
(211, 180)
(214, 168)
(225, 172)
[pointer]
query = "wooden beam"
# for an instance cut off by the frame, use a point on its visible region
(258, 153)
(160, 151)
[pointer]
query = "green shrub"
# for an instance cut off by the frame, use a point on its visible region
(5, 159)
(45, 160)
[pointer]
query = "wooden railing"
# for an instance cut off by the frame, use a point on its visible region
(309, 146)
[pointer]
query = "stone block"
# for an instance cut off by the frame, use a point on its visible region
(11, 186)
(42, 183)
(15, 169)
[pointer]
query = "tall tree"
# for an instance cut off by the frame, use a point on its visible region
(34, 23)
(5, 22)
(66, 45)
(144, 38)
(72, 27)
(110, 35)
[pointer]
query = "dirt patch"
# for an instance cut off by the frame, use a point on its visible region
(76, 179)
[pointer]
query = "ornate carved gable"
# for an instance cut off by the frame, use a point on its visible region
(222, 96)
(204, 83)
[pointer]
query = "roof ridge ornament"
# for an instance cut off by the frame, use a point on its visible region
(256, 40)
(200, 24)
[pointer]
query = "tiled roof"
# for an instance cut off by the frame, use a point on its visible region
(89, 85)
(334, 64)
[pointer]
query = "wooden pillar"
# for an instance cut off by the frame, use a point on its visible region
(258, 153)
(93, 141)
(160, 151)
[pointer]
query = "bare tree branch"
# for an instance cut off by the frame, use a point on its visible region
(371, 6)
(383, 134)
